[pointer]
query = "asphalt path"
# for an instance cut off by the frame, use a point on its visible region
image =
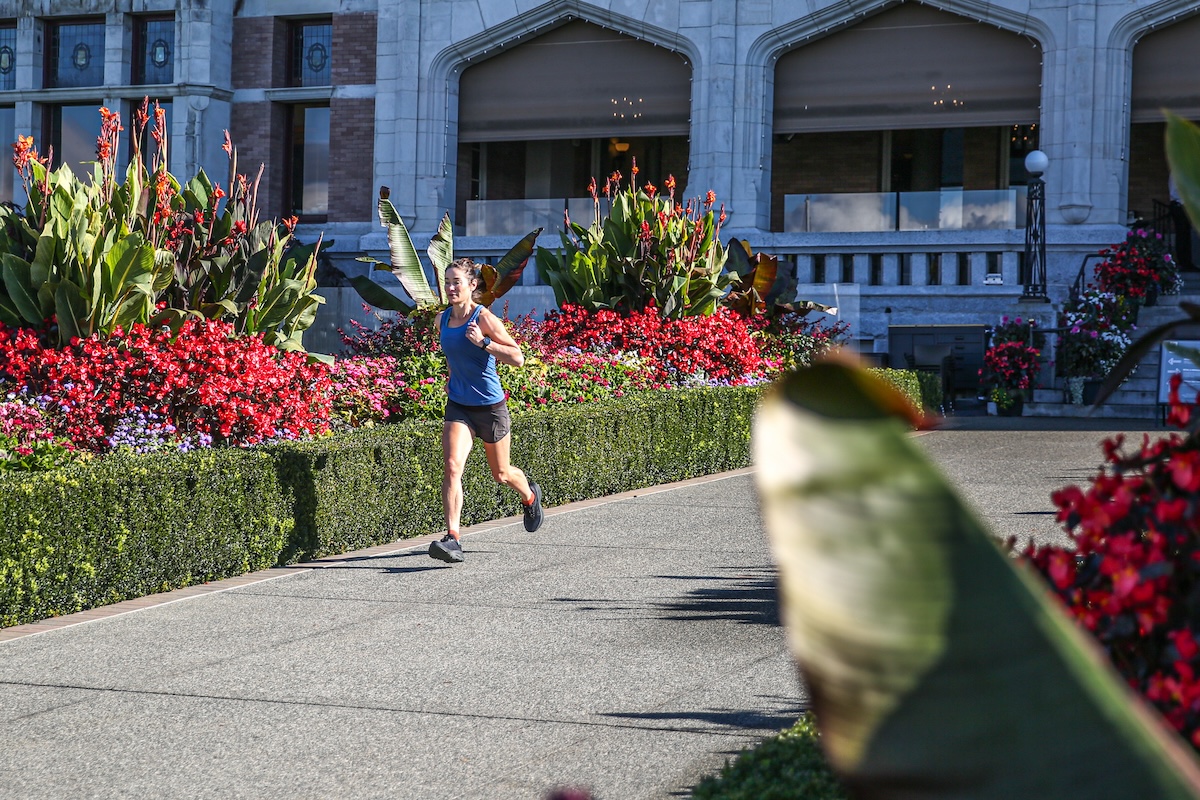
(629, 647)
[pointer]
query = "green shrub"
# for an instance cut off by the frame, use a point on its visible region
(124, 526)
(785, 767)
(907, 381)
(932, 395)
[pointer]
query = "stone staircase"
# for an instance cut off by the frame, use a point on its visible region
(1138, 396)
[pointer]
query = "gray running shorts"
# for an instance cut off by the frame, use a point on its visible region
(490, 423)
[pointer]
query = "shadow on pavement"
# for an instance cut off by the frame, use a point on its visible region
(746, 598)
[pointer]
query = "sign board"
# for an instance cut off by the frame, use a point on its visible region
(1170, 363)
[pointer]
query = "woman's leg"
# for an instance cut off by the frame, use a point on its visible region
(456, 446)
(504, 472)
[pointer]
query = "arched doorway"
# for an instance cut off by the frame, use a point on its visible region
(538, 121)
(914, 118)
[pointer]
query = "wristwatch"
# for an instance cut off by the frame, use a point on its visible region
(486, 341)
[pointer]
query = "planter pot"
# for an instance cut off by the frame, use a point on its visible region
(1151, 298)
(1015, 409)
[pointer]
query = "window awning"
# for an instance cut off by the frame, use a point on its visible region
(577, 81)
(1166, 73)
(909, 67)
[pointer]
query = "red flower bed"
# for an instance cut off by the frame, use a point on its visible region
(1133, 579)
(719, 346)
(202, 385)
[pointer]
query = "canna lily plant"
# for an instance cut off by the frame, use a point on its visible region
(406, 265)
(104, 255)
(648, 250)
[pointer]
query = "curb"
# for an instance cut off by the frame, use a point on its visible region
(273, 573)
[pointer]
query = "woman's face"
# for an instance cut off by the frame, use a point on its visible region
(459, 284)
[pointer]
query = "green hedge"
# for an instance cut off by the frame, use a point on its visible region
(907, 381)
(787, 766)
(125, 526)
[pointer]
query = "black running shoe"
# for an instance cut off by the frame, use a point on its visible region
(533, 511)
(448, 550)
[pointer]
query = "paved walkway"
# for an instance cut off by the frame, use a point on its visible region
(629, 647)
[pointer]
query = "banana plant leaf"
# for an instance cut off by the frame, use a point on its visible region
(509, 268)
(441, 253)
(938, 667)
(405, 263)
(378, 296)
(9, 314)
(71, 306)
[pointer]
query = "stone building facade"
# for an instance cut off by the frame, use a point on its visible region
(876, 144)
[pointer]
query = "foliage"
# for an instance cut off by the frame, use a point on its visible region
(125, 526)
(150, 389)
(415, 333)
(918, 636)
(103, 256)
(647, 251)
(759, 288)
(1010, 369)
(907, 382)
(121, 526)
(1013, 330)
(787, 766)
(495, 281)
(716, 347)
(1132, 578)
(794, 341)
(27, 441)
(1139, 265)
(1098, 325)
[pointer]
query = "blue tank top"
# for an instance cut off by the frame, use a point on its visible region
(473, 378)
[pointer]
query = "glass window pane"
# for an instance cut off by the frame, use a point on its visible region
(310, 160)
(156, 51)
(8, 133)
(76, 55)
(8, 58)
(312, 45)
(74, 130)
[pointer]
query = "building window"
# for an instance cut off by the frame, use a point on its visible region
(8, 58)
(75, 55)
(154, 50)
(74, 130)
(312, 48)
(309, 173)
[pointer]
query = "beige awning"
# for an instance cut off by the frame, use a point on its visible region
(577, 81)
(1166, 72)
(909, 67)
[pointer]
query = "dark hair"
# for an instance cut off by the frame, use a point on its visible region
(468, 266)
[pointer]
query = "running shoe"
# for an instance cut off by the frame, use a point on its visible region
(533, 511)
(448, 550)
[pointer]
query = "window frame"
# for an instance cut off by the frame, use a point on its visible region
(295, 68)
(137, 75)
(51, 53)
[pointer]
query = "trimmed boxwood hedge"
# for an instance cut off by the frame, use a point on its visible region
(125, 526)
(908, 382)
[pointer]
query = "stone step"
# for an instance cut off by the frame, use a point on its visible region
(1106, 411)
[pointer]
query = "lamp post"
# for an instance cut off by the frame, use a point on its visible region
(1035, 228)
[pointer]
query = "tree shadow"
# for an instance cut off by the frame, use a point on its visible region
(750, 597)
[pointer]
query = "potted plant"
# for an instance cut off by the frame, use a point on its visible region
(1097, 327)
(1010, 369)
(1141, 268)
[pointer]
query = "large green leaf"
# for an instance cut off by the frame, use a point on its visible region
(378, 296)
(1183, 154)
(9, 314)
(938, 667)
(129, 261)
(71, 306)
(441, 253)
(406, 265)
(19, 284)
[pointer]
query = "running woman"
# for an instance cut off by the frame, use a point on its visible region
(474, 339)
